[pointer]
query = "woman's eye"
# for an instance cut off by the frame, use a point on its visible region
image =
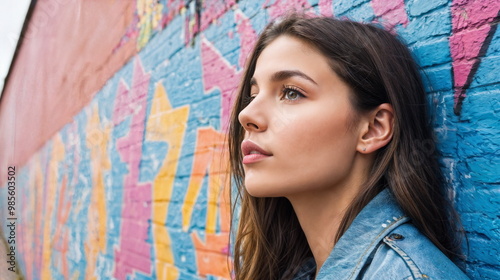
(291, 94)
(249, 98)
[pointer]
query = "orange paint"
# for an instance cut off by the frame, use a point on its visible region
(56, 157)
(60, 239)
(97, 141)
(209, 154)
(212, 255)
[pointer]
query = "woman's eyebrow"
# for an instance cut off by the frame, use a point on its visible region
(285, 74)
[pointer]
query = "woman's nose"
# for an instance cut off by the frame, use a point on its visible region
(253, 117)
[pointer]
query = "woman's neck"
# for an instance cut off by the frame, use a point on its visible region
(321, 212)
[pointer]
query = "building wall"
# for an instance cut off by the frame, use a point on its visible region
(114, 117)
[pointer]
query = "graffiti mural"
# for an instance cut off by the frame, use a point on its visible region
(473, 24)
(137, 185)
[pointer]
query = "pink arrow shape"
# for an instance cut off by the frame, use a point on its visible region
(473, 28)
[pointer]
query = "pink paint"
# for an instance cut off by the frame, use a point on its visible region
(326, 7)
(247, 35)
(461, 70)
(174, 7)
(133, 253)
(470, 27)
(469, 14)
(392, 12)
(121, 108)
(465, 47)
(218, 73)
(281, 7)
(212, 10)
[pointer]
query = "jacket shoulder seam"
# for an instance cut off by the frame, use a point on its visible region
(412, 266)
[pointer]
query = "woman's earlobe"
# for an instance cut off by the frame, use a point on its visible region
(380, 129)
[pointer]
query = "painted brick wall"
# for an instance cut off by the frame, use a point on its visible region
(134, 185)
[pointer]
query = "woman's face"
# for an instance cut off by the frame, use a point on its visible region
(297, 135)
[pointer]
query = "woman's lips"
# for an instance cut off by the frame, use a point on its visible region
(252, 152)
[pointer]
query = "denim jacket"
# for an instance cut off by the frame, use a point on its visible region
(381, 243)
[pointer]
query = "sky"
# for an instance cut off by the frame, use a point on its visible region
(12, 15)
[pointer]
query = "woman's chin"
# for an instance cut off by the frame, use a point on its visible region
(257, 190)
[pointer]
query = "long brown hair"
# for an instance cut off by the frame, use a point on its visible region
(269, 242)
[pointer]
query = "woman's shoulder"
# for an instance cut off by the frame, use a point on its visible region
(405, 253)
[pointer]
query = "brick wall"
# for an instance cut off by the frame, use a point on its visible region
(114, 116)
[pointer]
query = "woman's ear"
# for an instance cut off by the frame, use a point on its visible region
(377, 129)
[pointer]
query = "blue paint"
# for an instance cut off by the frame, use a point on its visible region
(434, 24)
(251, 8)
(218, 36)
(432, 52)
(438, 78)
(153, 155)
(199, 215)
(164, 46)
(342, 7)
(183, 250)
(419, 7)
(361, 13)
(487, 72)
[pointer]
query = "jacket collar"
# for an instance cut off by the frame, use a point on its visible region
(379, 217)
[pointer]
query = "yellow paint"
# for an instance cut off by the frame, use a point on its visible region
(150, 15)
(163, 242)
(166, 271)
(168, 125)
(56, 157)
(35, 217)
(97, 141)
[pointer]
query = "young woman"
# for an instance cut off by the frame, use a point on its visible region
(333, 157)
